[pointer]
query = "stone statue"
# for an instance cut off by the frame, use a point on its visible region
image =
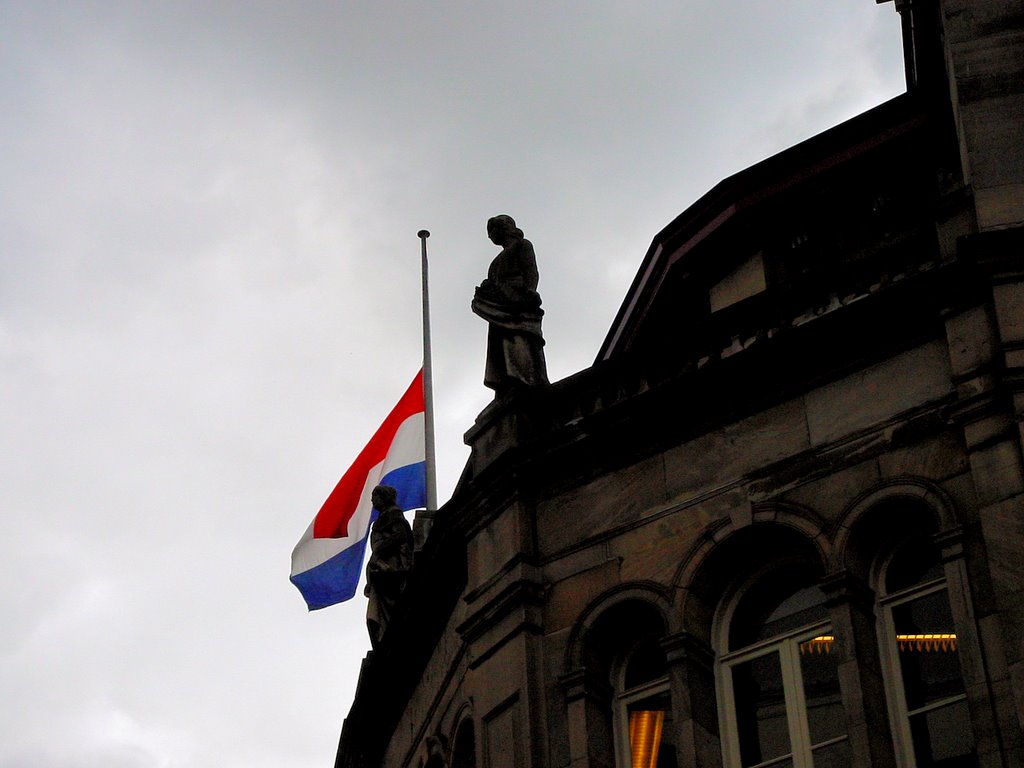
(509, 302)
(390, 561)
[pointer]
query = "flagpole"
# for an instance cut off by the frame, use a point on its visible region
(428, 384)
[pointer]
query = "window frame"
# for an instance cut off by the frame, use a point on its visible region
(787, 647)
(622, 698)
(793, 689)
(899, 713)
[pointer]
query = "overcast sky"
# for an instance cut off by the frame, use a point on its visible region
(209, 299)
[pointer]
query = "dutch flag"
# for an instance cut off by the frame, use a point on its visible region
(327, 561)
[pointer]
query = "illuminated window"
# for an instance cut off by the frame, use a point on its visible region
(926, 689)
(778, 678)
(643, 711)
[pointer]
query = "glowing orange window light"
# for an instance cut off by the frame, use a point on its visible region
(645, 737)
(932, 641)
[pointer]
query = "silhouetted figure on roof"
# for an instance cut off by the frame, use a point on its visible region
(509, 302)
(390, 561)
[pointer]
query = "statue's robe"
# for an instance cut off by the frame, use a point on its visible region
(509, 302)
(387, 570)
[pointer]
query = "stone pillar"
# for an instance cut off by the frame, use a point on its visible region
(986, 346)
(691, 672)
(502, 633)
(851, 608)
(983, 41)
(588, 710)
(982, 660)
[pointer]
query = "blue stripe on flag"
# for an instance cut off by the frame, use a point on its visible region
(333, 580)
(411, 483)
(337, 579)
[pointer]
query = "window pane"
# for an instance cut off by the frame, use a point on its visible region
(650, 733)
(930, 665)
(646, 663)
(916, 562)
(943, 737)
(464, 750)
(760, 710)
(802, 607)
(835, 755)
(776, 605)
(819, 668)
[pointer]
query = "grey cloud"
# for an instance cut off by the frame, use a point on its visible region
(209, 299)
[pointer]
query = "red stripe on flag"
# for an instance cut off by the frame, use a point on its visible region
(332, 520)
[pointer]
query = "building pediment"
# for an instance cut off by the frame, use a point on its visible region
(816, 225)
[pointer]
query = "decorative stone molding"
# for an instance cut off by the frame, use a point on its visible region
(649, 593)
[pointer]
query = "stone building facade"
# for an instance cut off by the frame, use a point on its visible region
(780, 521)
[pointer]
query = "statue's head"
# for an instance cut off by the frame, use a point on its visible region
(384, 497)
(502, 228)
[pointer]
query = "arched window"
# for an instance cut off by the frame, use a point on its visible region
(618, 690)
(780, 703)
(919, 641)
(464, 748)
(643, 711)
